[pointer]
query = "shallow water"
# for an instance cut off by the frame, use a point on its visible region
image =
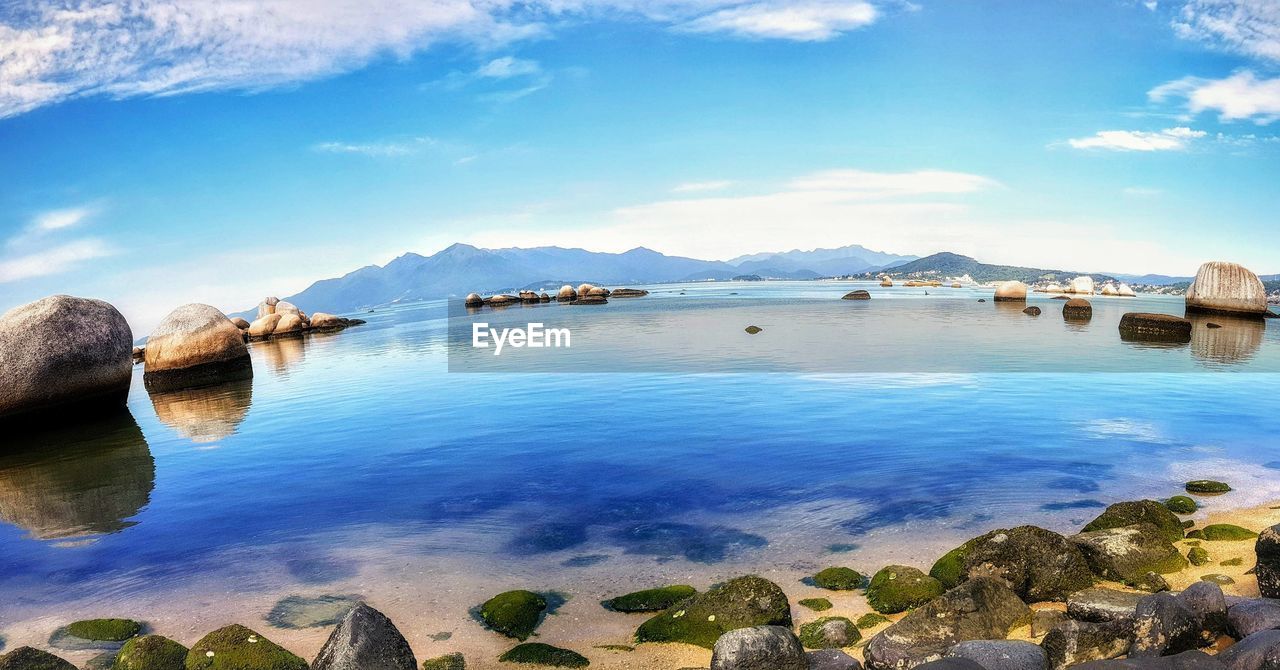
(354, 463)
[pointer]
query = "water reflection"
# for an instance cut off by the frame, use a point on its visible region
(1232, 341)
(206, 414)
(282, 353)
(77, 481)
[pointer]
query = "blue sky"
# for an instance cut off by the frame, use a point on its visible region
(157, 152)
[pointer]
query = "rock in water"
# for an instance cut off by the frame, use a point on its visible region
(514, 613)
(982, 608)
(886, 283)
(1075, 642)
(289, 324)
(651, 600)
(857, 295)
(1077, 309)
(238, 648)
(264, 326)
(1268, 571)
(326, 321)
(628, 293)
(26, 658)
(759, 648)
(196, 345)
(742, 602)
(1082, 285)
(1032, 311)
(1142, 327)
(62, 351)
(365, 640)
(1011, 291)
(1037, 564)
(473, 300)
(1002, 654)
(1125, 291)
(566, 294)
(1226, 288)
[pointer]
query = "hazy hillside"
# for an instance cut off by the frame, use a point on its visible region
(954, 265)
(846, 260)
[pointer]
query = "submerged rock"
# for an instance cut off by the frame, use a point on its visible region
(537, 653)
(105, 630)
(1144, 327)
(839, 579)
(1226, 288)
(238, 648)
(514, 613)
(1011, 291)
(833, 632)
(742, 602)
(1032, 311)
(857, 295)
(759, 648)
(651, 600)
(1002, 654)
(454, 661)
(1124, 514)
(365, 640)
(980, 609)
(61, 352)
(815, 604)
(1130, 554)
(1268, 571)
(298, 612)
(151, 652)
(195, 345)
(898, 588)
(1038, 564)
(1077, 309)
(1206, 486)
(26, 658)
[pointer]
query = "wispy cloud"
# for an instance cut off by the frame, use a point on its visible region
(1248, 27)
(702, 186)
(50, 52)
(52, 261)
(1241, 96)
(376, 149)
(46, 223)
(1169, 139)
(507, 67)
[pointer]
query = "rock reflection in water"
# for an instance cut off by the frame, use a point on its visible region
(282, 353)
(206, 414)
(1235, 340)
(76, 481)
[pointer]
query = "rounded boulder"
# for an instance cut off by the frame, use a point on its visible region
(1011, 291)
(195, 345)
(1226, 288)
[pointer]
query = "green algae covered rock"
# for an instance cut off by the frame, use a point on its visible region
(840, 579)
(1181, 505)
(832, 632)
(538, 653)
(151, 652)
(1226, 532)
(238, 648)
(1124, 514)
(514, 613)
(871, 620)
(950, 568)
(651, 600)
(817, 604)
(899, 588)
(26, 658)
(1038, 564)
(1198, 556)
(1207, 486)
(1231, 562)
(1132, 554)
(741, 602)
(105, 630)
(454, 661)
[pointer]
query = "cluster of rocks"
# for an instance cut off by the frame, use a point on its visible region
(279, 318)
(584, 294)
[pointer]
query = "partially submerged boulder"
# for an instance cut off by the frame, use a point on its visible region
(759, 648)
(514, 613)
(651, 600)
(1077, 309)
(1082, 285)
(566, 294)
(473, 300)
(742, 602)
(264, 326)
(1011, 291)
(63, 351)
(1144, 327)
(1226, 288)
(857, 295)
(628, 293)
(195, 345)
(365, 640)
(839, 579)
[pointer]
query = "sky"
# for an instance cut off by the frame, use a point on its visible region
(160, 152)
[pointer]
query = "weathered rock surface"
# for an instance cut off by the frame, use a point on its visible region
(834, 632)
(289, 324)
(1032, 311)
(151, 652)
(1002, 654)
(628, 293)
(1267, 548)
(238, 648)
(26, 658)
(1011, 291)
(898, 588)
(982, 608)
(1260, 651)
(473, 300)
(1144, 327)
(1100, 605)
(742, 602)
(1038, 564)
(831, 659)
(1077, 309)
(195, 345)
(1082, 286)
(759, 648)
(1187, 660)
(1128, 554)
(62, 351)
(365, 640)
(240, 323)
(1226, 288)
(1077, 642)
(1250, 616)
(1123, 514)
(566, 294)
(857, 295)
(264, 326)
(1207, 602)
(1162, 626)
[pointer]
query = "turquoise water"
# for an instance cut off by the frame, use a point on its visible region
(350, 448)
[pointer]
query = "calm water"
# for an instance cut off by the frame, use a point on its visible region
(357, 455)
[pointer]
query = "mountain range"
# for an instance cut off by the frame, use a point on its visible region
(462, 269)
(947, 264)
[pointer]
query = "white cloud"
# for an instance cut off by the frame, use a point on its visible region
(61, 218)
(863, 184)
(1242, 96)
(50, 52)
(507, 67)
(1248, 27)
(702, 186)
(52, 261)
(376, 149)
(1169, 139)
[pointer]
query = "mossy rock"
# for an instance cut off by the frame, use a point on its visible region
(1196, 534)
(1198, 556)
(151, 652)
(1226, 532)
(832, 632)
(538, 653)
(817, 604)
(899, 588)
(871, 620)
(1124, 514)
(651, 600)
(1181, 505)
(238, 648)
(515, 614)
(1232, 562)
(454, 661)
(1220, 580)
(105, 630)
(752, 330)
(1207, 486)
(840, 579)
(27, 658)
(741, 602)
(949, 570)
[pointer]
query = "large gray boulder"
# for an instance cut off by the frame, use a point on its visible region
(1250, 616)
(1187, 660)
(759, 648)
(365, 640)
(195, 345)
(1260, 651)
(1076, 642)
(1100, 605)
(1038, 564)
(1268, 571)
(1226, 288)
(983, 608)
(832, 659)
(1209, 604)
(62, 351)
(1162, 626)
(1002, 654)
(1130, 553)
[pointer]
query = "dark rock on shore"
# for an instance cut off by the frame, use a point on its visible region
(1002, 654)
(742, 602)
(898, 588)
(195, 345)
(1187, 660)
(1038, 564)
(1207, 486)
(1268, 571)
(1124, 514)
(759, 648)
(1130, 554)
(831, 659)
(1101, 605)
(981, 609)
(365, 640)
(857, 295)
(537, 653)
(1163, 626)
(1260, 651)
(1143, 327)
(61, 352)
(1250, 616)
(26, 658)
(515, 614)
(1076, 642)
(238, 648)
(1209, 605)
(651, 600)
(151, 652)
